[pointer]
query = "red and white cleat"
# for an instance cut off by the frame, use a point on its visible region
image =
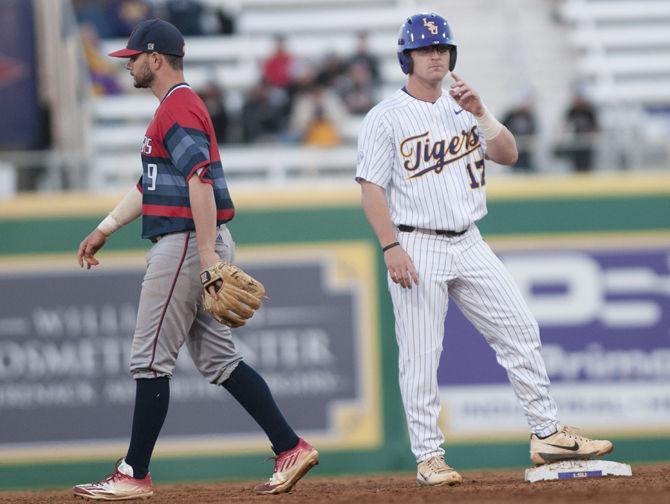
(290, 466)
(120, 485)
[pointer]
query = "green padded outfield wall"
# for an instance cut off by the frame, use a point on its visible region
(64, 334)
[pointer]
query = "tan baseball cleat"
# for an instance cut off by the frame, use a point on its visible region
(290, 466)
(566, 444)
(435, 472)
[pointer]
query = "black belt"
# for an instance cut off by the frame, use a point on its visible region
(410, 229)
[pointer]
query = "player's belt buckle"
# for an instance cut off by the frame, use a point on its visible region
(444, 232)
(157, 238)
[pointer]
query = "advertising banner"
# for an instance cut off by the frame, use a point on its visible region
(20, 126)
(65, 339)
(604, 316)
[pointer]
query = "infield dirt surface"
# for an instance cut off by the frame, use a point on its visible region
(649, 484)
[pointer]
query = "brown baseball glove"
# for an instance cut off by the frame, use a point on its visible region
(239, 294)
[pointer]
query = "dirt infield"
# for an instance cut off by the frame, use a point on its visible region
(649, 483)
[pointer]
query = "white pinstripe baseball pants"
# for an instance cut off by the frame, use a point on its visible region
(465, 269)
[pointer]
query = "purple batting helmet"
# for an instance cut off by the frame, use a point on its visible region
(421, 30)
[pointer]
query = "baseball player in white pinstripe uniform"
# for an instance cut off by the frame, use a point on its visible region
(421, 166)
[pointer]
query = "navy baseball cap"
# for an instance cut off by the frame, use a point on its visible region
(153, 35)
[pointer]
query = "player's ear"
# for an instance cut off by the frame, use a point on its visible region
(155, 60)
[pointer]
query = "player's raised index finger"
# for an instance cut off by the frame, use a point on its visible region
(456, 77)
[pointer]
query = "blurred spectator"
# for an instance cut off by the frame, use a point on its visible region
(304, 74)
(363, 57)
(185, 15)
(213, 96)
(317, 117)
(124, 15)
(357, 89)
(102, 72)
(112, 18)
(96, 14)
(263, 113)
(331, 70)
(226, 22)
(581, 123)
(278, 69)
(217, 20)
(520, 120)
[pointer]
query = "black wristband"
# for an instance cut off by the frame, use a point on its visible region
(390, 246)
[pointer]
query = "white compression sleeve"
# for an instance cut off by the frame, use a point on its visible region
(128, 209)
(489, 125)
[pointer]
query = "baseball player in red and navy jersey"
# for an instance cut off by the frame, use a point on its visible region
(184, 202)
(179, 144)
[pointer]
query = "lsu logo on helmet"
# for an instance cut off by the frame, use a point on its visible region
(432, 27)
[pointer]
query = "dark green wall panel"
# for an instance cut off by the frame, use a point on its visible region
(21, 236)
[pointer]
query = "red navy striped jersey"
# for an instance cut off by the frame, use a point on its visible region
(179, 143)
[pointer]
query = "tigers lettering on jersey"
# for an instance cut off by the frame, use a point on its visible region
(420, 148)
(179, 143)
(428, 157)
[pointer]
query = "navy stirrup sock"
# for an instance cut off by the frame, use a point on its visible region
(152, 397)
(251, 391)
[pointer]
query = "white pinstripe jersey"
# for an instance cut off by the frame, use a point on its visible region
(429, 157)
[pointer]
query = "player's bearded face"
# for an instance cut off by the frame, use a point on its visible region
(142, 74)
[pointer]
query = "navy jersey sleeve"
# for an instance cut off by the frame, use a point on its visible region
(188, 149)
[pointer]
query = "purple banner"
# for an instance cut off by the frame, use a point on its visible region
(604, 317)
(20, 122)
